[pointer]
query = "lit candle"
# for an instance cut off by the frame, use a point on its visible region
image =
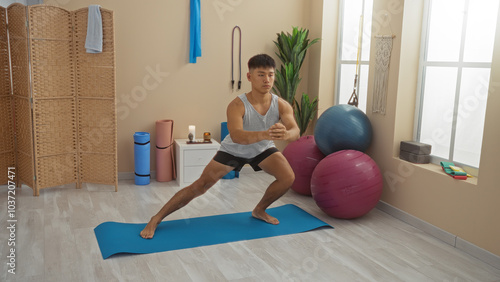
(192, 130)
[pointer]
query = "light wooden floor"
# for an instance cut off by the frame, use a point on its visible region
(55, 241)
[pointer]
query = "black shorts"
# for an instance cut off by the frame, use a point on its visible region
(238, 163)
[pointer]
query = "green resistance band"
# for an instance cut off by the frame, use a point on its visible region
(451, 172)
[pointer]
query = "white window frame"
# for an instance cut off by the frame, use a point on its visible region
(341, 62)
(460, 65)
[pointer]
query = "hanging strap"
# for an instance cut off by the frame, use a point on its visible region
(353, 101)
(232, 55)
(161, 148)
(143, 175)
(137, 143)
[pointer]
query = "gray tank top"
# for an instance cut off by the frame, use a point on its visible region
(253, 121)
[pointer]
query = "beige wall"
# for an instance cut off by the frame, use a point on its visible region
(155, 35)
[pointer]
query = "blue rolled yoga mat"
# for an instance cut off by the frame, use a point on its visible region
(141, 158)
(114, 237)
(223, 133)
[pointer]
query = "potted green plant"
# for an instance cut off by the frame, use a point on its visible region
(292, 49)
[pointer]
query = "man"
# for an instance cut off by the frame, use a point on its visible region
(253, 123)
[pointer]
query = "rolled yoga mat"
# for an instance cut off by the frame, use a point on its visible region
(165, 168)
(223, 133)
(114, 238)
(142, 158)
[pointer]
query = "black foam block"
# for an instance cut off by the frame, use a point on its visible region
(414, 158)
(416, 148)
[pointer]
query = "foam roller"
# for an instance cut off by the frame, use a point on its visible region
(142, 158)
(223, 133)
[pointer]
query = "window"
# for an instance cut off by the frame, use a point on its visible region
(455, 61)
(351, 12)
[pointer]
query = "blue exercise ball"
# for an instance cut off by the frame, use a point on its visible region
(342, 127)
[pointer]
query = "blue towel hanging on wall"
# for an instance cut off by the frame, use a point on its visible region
(195, 32)
(93, 41)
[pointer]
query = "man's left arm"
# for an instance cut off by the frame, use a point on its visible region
(288, 129)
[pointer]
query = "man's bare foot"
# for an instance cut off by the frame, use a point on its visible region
(265, 217)
(149, 231)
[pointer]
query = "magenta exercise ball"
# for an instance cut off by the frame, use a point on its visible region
(303, 156)
(346, 184)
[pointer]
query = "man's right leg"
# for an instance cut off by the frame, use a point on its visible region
(212, 173)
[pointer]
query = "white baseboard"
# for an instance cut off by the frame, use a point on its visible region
(441, 234)
(437, 232)
(478, 252)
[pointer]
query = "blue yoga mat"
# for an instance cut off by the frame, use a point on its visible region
(114, 237)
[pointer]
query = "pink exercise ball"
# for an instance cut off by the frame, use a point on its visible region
(303, 156)
(346, 184)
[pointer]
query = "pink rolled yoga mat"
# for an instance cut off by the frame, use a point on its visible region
(165, 168)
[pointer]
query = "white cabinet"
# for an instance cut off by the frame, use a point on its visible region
(191, 159)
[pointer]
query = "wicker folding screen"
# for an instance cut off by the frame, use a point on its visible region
(7, 154)
(70, 102)
(95, 93)
(19, 56)
(53, 92)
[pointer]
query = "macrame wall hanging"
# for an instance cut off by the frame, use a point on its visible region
(383, 46)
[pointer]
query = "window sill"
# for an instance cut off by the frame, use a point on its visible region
(437, 169)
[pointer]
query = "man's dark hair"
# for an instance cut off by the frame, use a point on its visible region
(261, 61)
